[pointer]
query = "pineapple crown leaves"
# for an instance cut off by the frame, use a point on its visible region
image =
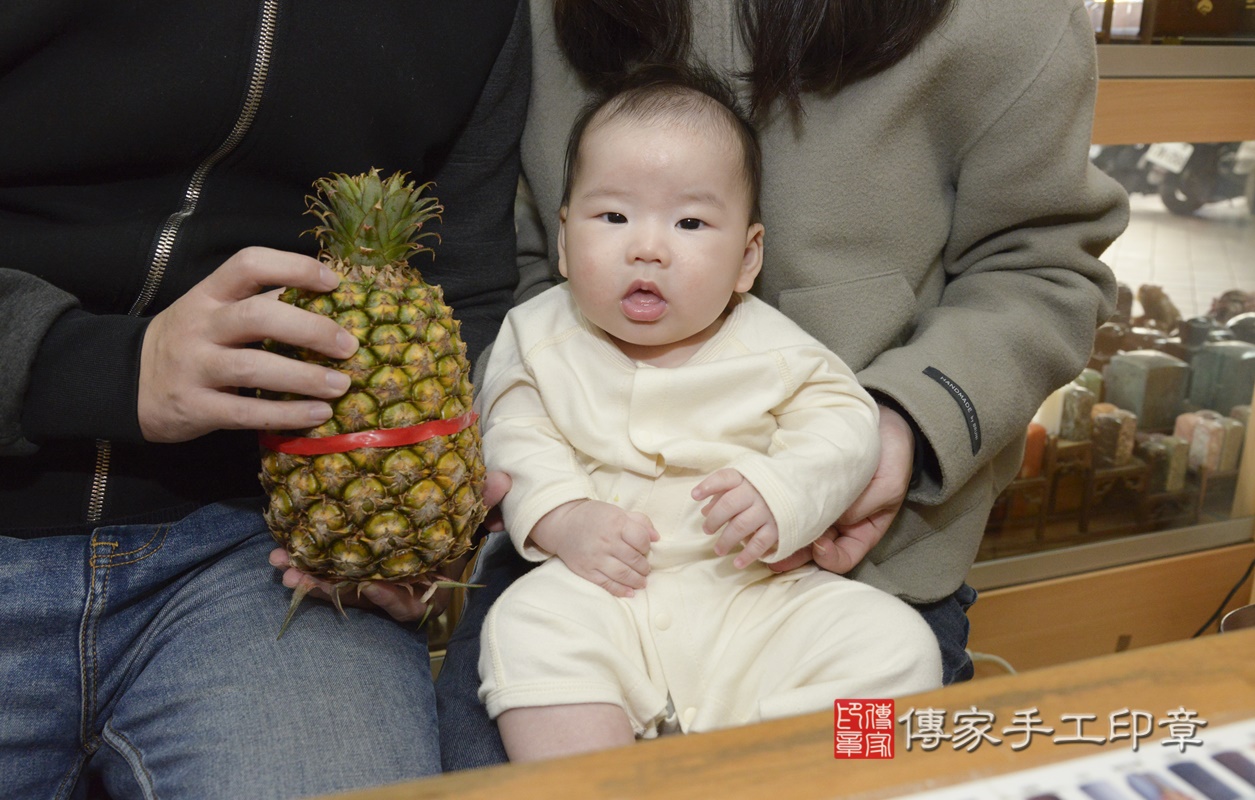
(369, 221)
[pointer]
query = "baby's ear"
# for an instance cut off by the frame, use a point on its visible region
(752, 261)
(562, 241)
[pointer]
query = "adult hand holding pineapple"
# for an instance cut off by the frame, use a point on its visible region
(388, 487)
(382, 489)
(197, 352)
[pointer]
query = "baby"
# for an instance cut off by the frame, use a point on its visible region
(669, 436)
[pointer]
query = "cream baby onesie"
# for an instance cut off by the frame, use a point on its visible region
(570, 417)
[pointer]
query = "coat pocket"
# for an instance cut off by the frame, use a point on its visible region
(858, 318)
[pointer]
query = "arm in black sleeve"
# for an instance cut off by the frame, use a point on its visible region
(85, 379)
(47, 347)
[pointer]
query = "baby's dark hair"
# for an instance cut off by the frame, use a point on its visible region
(665, 91)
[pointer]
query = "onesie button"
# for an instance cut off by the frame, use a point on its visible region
(662, 621)
(686, 719)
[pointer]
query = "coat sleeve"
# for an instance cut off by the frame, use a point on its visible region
(1024, 289)
(522, 440)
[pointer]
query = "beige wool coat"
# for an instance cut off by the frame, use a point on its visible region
(938, 226)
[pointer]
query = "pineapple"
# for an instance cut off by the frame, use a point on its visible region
(403, 497)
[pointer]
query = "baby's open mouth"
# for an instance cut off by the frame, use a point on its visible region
(643, 302)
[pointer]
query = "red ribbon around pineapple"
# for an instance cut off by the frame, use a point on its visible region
(344, 442)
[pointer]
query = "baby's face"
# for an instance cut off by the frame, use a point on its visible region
(656, 236)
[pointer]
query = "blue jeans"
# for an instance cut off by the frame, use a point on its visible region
(469, 738)
(143, 659)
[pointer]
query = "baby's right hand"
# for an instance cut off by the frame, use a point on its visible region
(599, 542)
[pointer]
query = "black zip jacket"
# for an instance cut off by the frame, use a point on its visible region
(143, 143)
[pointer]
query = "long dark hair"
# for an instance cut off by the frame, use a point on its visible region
(796, 45)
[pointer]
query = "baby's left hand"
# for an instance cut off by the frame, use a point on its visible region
(737, 507)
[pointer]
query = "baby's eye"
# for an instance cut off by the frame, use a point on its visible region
(614, 217)
(690, 224)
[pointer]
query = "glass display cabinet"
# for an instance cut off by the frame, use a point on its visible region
(1133, 518)
(1172, 21)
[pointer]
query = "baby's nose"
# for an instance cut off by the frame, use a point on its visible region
(648, 246)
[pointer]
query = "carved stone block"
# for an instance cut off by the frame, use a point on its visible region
(1149, 383)
(1114, 433)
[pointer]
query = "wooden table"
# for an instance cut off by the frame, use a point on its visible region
(793, 758)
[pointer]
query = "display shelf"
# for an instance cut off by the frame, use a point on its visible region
(1085, 557)
(1146, 93)
(1176, 61)
(1175, 93)
(1143, 110)
(1074, 502)
(1100, 590)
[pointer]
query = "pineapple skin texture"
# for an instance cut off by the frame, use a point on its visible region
(382, 513)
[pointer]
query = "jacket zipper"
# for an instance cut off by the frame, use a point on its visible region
(191, 196)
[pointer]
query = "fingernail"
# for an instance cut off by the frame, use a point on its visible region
(821, 549)
(319, 413)
(347, 343)
(337, 381)
(328, 277)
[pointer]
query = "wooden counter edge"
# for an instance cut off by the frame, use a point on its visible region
(1214, 676)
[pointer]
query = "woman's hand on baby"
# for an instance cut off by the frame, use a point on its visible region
(742, 513)
(600, 542)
